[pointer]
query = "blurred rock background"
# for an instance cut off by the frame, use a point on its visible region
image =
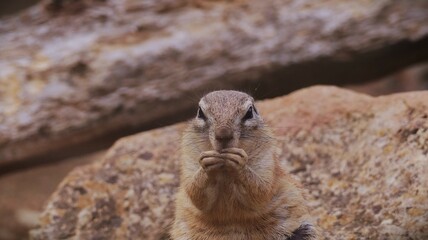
(77, 75)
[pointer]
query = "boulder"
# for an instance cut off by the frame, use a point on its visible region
(23, 194)
(362, 159)
(76, 75)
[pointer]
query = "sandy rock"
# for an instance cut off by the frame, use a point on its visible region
(23, 194)
(77, 72)
(363, 160)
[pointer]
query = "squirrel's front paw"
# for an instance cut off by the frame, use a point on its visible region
(211, 161)
(234, 157)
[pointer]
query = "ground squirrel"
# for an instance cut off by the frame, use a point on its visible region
(232, 186)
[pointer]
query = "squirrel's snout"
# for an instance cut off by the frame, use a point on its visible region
(223, 134)
(223, 137)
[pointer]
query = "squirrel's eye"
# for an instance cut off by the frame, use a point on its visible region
(249, 114)
(201, 114)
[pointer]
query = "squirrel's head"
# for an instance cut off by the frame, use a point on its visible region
(227, 119)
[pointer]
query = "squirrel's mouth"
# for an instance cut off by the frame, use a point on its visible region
(220, 145)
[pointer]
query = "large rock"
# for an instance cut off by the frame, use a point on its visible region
(76, 73)
(23, 194)
(364, 161)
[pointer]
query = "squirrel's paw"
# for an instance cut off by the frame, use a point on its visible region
(211, 161)
(234, 157)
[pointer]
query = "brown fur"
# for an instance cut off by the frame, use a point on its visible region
(234, 188)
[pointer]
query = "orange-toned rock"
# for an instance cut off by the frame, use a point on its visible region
(363, 160)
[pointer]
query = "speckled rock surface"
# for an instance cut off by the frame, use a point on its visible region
(72, 72)
(23, 194)
(363, 160)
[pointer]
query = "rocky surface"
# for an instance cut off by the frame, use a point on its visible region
(363, 160)
(73, 73)
(23, 194)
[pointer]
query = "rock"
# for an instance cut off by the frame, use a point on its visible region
(363, 160)
(23, 194)
(76, 75)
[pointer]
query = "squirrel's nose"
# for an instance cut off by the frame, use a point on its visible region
(223, 134)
